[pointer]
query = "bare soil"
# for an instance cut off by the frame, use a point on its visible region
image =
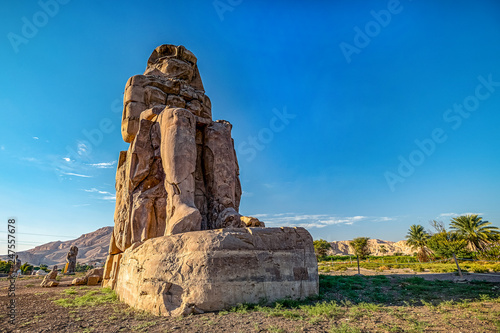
(37, 312)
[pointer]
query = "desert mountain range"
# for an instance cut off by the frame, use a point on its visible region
(342, 247)
(93, 247)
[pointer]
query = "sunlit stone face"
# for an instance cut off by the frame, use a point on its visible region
(176, 68)
(173, 62)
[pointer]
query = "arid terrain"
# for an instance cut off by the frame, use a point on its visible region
(91, 246)
(347, 303)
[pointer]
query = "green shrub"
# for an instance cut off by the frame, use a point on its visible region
(494, 267)
(418, 268)
(4, 266)
(340, 268)
(477, 268)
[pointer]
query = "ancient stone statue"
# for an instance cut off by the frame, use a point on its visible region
(71, 259)
(179, 244)
(50, 279)
(15, 266)
(180, 172)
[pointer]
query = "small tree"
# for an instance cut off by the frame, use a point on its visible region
(360, 248)
(445, 244)
(26, 268)
(417, 239)
(448, 244)
(5, 266)
(82, 268)
(321, 247)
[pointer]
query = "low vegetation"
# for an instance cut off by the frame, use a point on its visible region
(399, 301)
(90, 298)
(410, 263)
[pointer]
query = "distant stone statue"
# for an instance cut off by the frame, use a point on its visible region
(15, 267)
(71, 260)
(50, 279)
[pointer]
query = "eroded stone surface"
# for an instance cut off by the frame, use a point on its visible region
(178, 233)
(50, 279)
(91, 278)
(211, 270)
(71, 259)
(180, 172)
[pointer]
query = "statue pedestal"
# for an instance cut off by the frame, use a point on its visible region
(212, 270)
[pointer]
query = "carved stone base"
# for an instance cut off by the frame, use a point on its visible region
(211, 270)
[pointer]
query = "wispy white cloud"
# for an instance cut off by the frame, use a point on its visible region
(82, 148)
(451, 215)
(67, 159)
(36, 138)
(316, 220)
(447, 214)
(108, 196)
(384, 219)
(94, 190)
(29, 159)
(103, 165)
(76, 175)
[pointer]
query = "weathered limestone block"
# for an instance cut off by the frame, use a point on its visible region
(214, 269)
(79, 281)
(252, 222)
(91, 278)
(50, 279)
(111, 270)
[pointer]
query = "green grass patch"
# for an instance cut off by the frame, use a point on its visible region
(344, 328)
(91, 298)
(70, 291)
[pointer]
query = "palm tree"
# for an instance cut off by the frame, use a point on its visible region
(417, 239)
(477, 232)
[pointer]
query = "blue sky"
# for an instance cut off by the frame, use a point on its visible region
(346, 115)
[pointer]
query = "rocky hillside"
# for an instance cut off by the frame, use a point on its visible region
(91, 246)
(342, 247)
